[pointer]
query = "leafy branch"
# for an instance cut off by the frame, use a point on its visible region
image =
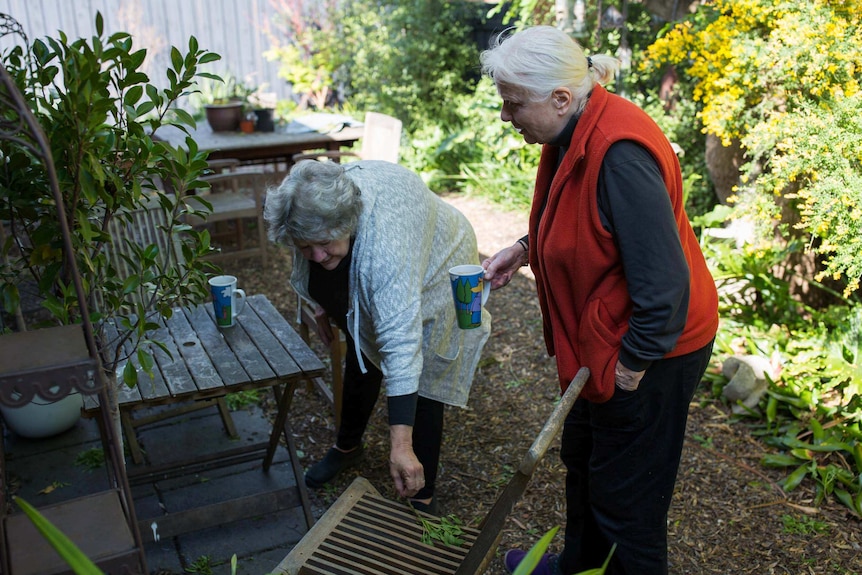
(448, 531)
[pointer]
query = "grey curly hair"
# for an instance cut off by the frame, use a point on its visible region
(315, 203)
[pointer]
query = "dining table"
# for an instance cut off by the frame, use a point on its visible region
(313, 132)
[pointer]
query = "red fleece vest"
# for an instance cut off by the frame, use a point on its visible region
(579, 275)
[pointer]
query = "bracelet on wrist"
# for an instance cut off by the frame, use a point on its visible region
(521, 242)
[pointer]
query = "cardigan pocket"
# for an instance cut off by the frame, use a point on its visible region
(440, 379)
(599, 338)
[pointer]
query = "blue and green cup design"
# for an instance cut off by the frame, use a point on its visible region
(470, 293)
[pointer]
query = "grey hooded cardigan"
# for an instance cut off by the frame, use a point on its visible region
(401, 314)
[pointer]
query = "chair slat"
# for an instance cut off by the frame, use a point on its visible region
(381, 537)
(364, 533)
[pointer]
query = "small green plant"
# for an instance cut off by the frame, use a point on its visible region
(202, 566)
(705, 442)
(91, 459)
(242, 399)
(803, 526)
(531, 559)
(812, 410)
(601, 570)
(219, 89)
(448, 531)
(503, 478)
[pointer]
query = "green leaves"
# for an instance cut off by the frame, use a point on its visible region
(448, 531)
(100, 113)
(601, 570)
(534, 555)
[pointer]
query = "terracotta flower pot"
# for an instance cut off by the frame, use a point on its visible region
(224, 117)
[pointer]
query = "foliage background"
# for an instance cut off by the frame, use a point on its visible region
(783, 79)
(779, 77)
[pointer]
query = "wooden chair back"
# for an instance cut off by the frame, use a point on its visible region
(236, 197)
(131, 232)
(381, 140)
(138, 229)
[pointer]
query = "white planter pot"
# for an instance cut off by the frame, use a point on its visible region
(41, 418)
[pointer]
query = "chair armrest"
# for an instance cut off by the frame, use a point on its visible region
(223, 165)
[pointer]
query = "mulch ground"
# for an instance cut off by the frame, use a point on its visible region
(728, 514)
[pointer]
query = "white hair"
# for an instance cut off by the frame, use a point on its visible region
(540, 59)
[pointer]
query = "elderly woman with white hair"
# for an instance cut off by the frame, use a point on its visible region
(623, 288)
(372, 248)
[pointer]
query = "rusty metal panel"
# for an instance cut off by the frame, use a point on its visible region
(49, 363)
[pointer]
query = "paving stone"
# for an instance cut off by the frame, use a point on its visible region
(46, 471)
(201, 433)
(247, 539)
(263, 563)
(162, 557)
(259, 543)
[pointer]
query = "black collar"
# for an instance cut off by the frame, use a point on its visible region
(564, 138)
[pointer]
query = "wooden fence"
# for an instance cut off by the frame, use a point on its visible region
(234, 29)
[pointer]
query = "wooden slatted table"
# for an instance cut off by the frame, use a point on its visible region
(203, 364)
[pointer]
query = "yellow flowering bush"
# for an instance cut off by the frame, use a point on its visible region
(783, 78)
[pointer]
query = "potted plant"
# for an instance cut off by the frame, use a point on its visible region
(247, 123)
(225, 100)
(101, 116)
(224, 116)
(43, 418)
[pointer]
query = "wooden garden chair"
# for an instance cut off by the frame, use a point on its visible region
(363, 533)
(236, 196)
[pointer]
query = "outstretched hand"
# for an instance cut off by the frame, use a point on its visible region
(501, 267)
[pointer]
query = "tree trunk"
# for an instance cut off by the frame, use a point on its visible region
(723, 163)
(114, 413)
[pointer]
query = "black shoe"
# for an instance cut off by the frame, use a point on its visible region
(333, 463)
(429, 508)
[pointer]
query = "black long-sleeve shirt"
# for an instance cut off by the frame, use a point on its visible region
(635, 208)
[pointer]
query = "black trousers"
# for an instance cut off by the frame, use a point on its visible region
(359, 397)
(622, 458)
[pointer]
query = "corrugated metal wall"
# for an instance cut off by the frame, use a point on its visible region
(232, 28)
